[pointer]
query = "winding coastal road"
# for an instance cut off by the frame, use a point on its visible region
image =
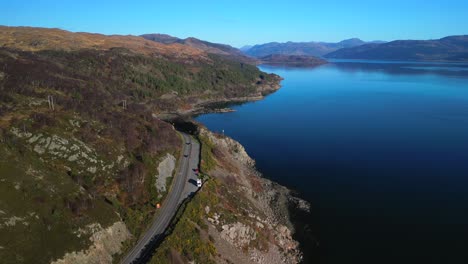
(184, 184)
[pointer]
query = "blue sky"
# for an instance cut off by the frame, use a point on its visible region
(241, 22)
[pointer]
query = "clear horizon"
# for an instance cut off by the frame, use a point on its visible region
(249, 23)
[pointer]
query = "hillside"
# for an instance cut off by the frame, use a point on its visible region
(78, 180)
(300, 48)
(292, 60)
(208, 47)
(39, 39)
(454, 48)
(237, 217)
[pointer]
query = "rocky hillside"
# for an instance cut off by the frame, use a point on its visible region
(81, 151)
(74, 183)
(171, 77)
(40, 39)
(237, 217)
(454, 48)
(208, 47)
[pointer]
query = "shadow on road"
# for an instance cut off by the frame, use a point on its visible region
(151, 247)
(192, 181)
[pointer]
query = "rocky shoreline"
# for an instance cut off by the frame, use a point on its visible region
(274, 204)
(281, 201)
(271, 204)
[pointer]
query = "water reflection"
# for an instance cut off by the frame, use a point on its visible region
(388, 67)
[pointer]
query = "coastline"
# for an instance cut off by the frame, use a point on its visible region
(274, 201)
(289, 209)
(207, 106)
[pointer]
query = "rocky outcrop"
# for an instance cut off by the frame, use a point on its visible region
(165, 169)
(262, 207)
(235, 149)
(105, 243)
(69, 150)
(238, 234)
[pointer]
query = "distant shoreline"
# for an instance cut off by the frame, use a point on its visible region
(442, 62)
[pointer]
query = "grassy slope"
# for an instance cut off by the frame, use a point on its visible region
(189, 237)
(56, 196)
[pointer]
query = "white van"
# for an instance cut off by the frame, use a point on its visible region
(199, 183)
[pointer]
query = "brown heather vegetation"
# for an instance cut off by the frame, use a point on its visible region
(37, 39)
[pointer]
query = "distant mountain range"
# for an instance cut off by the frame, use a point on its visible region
(208, 47)
(245, 48)
(453, 48)
(301, 48)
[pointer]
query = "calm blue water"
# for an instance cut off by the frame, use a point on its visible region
(379, 149)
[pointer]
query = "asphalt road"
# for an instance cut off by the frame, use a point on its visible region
(184, 185)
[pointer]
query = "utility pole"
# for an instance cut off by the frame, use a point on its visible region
(50, 100)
